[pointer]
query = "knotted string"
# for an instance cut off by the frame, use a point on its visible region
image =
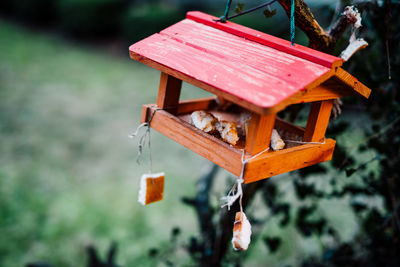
(237, 190)
(142, 139)
(292, 23)
(232, 197)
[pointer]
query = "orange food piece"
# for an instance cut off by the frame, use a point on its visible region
(151, 188)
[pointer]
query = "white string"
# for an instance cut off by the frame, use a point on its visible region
(301, 142)
(137, 130)
(231, 197)
(142, 140)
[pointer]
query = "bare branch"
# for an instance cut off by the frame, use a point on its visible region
(350, 16)
(305, 20)
(204, 211)
(320, 39)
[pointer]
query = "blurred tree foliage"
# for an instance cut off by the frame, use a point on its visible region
(128, 19)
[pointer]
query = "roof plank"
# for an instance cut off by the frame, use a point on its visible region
(266, 39)
(228, 77)
(280, 65)
(255, 70)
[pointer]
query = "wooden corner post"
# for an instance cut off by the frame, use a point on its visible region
(318, 120)
(169, 92)
(259, 133)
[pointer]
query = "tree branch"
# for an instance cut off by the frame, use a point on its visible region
(205, 212)
(319, 39)
(305, 20)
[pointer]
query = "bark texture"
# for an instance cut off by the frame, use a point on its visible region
(319, 39)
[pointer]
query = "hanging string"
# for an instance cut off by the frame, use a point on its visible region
(236, 190)
(225, 17)
(292, 23)
(232, 197)
(142, 139)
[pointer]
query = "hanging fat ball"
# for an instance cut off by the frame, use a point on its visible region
(241, 232)
(151, 188)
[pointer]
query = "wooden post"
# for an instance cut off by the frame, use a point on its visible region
(169, 92)
(318, 120)
(259, 133)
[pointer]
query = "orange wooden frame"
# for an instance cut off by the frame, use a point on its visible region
(267, 164)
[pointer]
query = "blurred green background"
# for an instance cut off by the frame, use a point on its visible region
(69, 98)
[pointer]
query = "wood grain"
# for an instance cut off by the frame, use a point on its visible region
(258, 77)
(352, 82)
(259, 133)
(286, 160)
(227, 77)
(282, 124)
(318, 120)
(190, 105)
(199, 84)
(268, 40)
(228, 157)
(169, 92)
(277, 64)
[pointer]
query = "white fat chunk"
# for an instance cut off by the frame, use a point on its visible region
(228, 132)
(276, 141)
(241, 232)
(203, 120)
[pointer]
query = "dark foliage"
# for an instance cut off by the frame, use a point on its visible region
(273, 243)
(93, 258)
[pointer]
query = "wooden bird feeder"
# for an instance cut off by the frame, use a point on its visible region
(256, 71)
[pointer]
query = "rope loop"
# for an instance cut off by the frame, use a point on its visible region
(142, 139)
(230, 199)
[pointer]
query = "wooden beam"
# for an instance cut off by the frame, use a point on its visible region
(188, 106)
(287, 126)
(169, 92)
(288, 159)
(318, 120)
(259, 133)
(145, 114)
(351, 81)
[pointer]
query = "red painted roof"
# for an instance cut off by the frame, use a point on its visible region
(252, 66)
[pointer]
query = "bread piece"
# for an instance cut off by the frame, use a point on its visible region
(228, 132)
(151, 188)
(204, 121)
(276, 141)
(241, 232)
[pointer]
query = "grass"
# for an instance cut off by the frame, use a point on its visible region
(68, 176)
